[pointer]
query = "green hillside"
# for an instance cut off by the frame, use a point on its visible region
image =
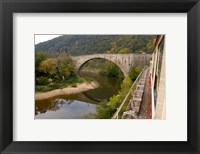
(90, 44)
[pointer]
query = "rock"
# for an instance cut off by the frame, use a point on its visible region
(138, 93)
(136, 109)
(129, 115)
(140, 87)
(50, 79)
(137, 103)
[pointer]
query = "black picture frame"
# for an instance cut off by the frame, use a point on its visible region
(8, 7)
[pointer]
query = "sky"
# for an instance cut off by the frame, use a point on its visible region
(42, 38)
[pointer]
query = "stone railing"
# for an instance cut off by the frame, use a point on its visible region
(135, 102)
(116, 114)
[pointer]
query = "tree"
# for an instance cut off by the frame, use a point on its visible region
(107, 108)
(114, 46)
(150, 45)
(111, 69)
(104, 111)
(88, 44)
(124, 51)
(39, 57)
(48, 66)
(65, 65)
(114, 102)
(108, 52)
(134, 72)
(126, 84)
(42, 81)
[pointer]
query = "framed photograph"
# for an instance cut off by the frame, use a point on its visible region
(99, 76)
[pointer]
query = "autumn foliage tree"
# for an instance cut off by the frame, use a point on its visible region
(65, 65)
(39, 57)
(48, 66)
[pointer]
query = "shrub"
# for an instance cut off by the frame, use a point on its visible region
(42, 81)
(39, 88)
(111, 69)
(134, 72)
(81, 80)
(107, 108)
(48, 66)
(74, 85)
(89, 116)
(54, 86)
(88, 79)
(104, 111)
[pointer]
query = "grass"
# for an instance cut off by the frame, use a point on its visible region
(52, 86)
(89, 116)
(74, 85)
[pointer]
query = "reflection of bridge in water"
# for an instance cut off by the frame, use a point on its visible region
(90, 97)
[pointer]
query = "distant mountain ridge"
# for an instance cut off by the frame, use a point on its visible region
(92, 44)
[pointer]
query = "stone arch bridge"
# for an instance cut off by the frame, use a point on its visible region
(123, 61)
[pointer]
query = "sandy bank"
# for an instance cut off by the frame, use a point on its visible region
(69, 90)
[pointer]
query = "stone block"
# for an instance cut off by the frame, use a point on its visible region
(134, 116)
(140, 87)
(136, 104)
(138, 94)
(141, 82)
(129, 114)
(137, 99)
(131, 104)
(129, 107)
(136, 109)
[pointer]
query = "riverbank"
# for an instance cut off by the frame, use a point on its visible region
(66, 91)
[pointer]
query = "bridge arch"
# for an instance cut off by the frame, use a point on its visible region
(90, 59)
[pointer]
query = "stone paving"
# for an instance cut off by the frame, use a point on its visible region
(145, 108)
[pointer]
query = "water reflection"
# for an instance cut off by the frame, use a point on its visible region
(75, 106)
(65, 109)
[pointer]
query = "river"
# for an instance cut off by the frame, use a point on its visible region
(78, 106)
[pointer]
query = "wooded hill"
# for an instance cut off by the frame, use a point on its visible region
(91, 44)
